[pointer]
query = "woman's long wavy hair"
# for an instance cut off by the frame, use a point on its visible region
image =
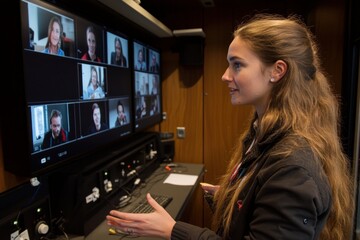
(50, 29)
(304, 104)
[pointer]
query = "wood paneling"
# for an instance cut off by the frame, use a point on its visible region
(223, 122)
(328, 20)
(183, 103)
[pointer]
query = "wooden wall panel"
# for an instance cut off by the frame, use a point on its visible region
(223, 122)
(328, 20)
(183, 103)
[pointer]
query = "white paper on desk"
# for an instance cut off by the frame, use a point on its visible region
(181, 179)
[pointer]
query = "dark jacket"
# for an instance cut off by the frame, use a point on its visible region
(121, 62)
(49, 141)
(287, 198)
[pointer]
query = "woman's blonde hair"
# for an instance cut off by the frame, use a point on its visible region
(304, 104)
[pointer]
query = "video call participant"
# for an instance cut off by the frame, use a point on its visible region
(53, 44)
(94, 90)
(97, 125)
(155, 85)
(140, 64)
(56, 135)
(141, 110)
(121, 117)
(118, 57)
(31, 39)
(154, 106)
(154, 65)
(90, 55)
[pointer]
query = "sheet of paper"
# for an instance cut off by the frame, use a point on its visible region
(181, 179)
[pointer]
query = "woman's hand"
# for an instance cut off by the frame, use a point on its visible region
(209, 188)
(156, 224)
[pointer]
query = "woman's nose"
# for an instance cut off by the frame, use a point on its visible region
(226, 77)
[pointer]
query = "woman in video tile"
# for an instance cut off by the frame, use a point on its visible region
(90, 55)
(53, 44)
(118, 57)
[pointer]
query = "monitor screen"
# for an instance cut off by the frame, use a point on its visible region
(78, 92)
(147, 86)
(117, 50)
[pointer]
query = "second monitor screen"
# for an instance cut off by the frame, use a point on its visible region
(147, 91)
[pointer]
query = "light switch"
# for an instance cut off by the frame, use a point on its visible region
(180, 132)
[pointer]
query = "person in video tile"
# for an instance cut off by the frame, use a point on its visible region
(118, 57)
(154, 65)
(121, 117)
(154, 107)
(155, 85)
(90, 55)
(53, 44)
(141, 109)
(97, 125)
(140, 64)
(31, 38)
(94, 90)
(56, 135)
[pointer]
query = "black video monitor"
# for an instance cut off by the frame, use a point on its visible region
(147, 86)
(58, 97)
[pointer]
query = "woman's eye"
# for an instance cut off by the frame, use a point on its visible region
(236, 66)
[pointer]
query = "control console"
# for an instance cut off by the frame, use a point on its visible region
(83, 194)
(25, 213)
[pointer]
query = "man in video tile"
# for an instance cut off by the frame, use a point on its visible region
(56, 135)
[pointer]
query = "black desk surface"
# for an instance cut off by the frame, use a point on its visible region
(154, 184)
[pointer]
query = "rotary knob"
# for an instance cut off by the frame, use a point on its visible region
(42, 228)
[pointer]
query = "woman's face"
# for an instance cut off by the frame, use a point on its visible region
(140, 56)
(94, 78)
(55, 34)
(120, 109)
(247, 78)
(91, 42)
(97, 116)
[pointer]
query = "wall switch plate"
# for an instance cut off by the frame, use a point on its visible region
(180, 131)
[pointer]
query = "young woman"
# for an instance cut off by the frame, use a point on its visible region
(117, 57)
(94, 90)
(53, 44)
(90, 55)
(288, 178)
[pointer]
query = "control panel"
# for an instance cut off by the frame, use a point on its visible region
(32, 221)
(83, 198)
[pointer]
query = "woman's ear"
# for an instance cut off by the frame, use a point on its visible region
(279, 70)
